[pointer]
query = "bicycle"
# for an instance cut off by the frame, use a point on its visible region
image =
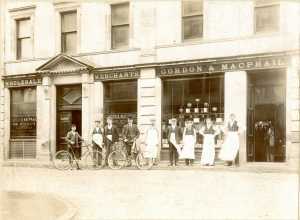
(64, 159)
(143, 162)
(119, 158)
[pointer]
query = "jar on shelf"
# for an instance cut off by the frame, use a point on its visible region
(189, 106)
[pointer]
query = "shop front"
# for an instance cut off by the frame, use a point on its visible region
(22, 127)
(260, 90)
(119, 95)
(253, 88)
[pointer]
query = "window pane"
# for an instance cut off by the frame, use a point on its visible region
(192, 7)
(265, 2)
(120, 14)
(192, 27)
(198, 91)
(23, 28)
(120, 36)
(23, 113)
(68, 21)
(24, 48)
(120, 101)
(267, 18)
(69, 41)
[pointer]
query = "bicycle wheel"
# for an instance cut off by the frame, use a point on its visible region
(143, 163)
(62, 160)
(93, 160)
(117, 160)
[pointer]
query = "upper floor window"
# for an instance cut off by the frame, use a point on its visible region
(119, 25)
(192, 19)
(69, 32)
(267, 15)
(23, 41)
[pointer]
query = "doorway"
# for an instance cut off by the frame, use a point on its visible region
(266, 117)
(69, 106)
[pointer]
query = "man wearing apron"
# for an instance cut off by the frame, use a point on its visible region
(97, 138)
(208, 149)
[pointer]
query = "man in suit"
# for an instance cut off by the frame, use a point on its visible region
(73, 139)
(174, 135)
(130, 133)
(111, 135)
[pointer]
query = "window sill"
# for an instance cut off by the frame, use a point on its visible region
(266, 33)
(120, 50)
(208, 41)
(24, 60)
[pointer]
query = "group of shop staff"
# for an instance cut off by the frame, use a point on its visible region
(181, 142)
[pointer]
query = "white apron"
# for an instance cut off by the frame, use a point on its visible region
(151, 143)
(188, 150)
(230, 146)
(97, 139)
(208, 150)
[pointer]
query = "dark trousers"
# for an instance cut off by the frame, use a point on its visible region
(189, 161)
(109, 149)
(96, 147)
(173, 154)
(128, 150)
(72, 150)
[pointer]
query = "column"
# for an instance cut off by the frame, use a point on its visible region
(149, 99)
(293, 113)
(86, 112)
(51, 100)
(6, 122)
(236, 102)
(2, 122)
(43, 106)
(97, 101)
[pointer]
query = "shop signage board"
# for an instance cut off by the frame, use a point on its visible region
(222, 66)
(23, 125)
(117, 75)
(22, 82)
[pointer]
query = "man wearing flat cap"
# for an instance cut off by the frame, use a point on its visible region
(174, 135)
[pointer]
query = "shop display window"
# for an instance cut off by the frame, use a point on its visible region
(120, 101)
(196, 98)
(23, 113)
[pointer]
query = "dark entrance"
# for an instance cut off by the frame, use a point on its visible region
(68, 113)
(266, 117)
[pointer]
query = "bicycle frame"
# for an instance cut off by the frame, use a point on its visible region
(88, 146)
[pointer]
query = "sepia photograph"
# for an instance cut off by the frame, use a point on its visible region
(149, 109)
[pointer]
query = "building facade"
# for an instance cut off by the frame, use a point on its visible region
(73, 62)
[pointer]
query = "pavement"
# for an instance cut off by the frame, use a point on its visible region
(196, 193)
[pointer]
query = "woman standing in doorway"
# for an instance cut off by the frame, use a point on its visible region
(231, 144)
(208, 149)
(189, 141)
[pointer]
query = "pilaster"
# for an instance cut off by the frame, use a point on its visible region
(236, 102)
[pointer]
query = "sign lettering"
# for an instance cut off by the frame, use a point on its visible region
(22, 82)
(130, 74)
(213, 67)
